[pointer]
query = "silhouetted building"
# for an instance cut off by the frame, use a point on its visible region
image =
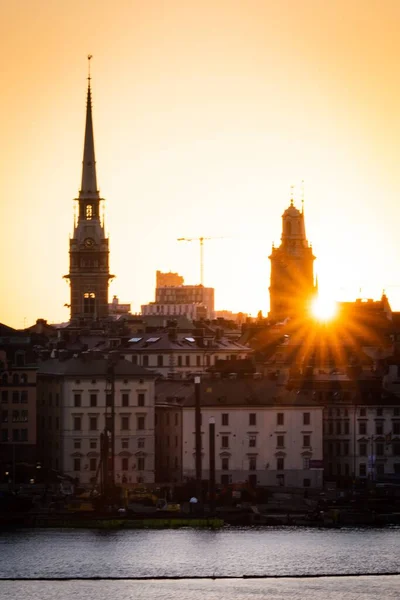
(168, 279)
(89, 273)
(292, 268)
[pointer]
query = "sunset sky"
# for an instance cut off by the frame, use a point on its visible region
(205, 113)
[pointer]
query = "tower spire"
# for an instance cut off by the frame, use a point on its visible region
(89, 179)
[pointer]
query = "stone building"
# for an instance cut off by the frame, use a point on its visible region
(75, 398)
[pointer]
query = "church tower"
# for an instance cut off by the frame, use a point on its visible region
(292, 268)
(89, 273)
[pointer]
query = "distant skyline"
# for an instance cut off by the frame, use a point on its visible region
(204, 115)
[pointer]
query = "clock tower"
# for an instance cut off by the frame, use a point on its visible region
(292, 269)
(89, 272)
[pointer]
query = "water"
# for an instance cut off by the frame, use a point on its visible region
(187, 553)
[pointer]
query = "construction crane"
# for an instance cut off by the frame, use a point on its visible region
(201, 240)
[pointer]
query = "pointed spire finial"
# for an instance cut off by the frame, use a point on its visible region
(89, 57)
(89, 179)
(291, 194)
(302, 196)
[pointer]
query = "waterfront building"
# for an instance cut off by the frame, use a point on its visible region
(265, 434)
(292, 286)
(89, 273)
(75, 399)
(18, 367)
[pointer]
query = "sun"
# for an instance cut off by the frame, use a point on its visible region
(323, 308)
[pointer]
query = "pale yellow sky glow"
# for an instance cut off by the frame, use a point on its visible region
(204, 114)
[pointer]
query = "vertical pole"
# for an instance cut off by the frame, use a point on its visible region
(197, 423)
(13, 465)
(112, 425)
(211, 489)
(201, 261)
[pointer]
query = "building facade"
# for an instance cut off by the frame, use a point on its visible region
(292, 269)
(89, 273)
(75, 398)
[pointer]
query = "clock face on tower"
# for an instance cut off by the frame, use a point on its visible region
(89, 243)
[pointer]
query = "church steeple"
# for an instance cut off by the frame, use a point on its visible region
(89, 178)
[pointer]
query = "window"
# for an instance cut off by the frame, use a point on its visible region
(346, 428)
(396, 411)
(379, 428)
(362, 470)
(346, 448)
(4, 416)
(167, 418)
(225, 441)
(77, 444)
(379, 412)
(187, 361)
(363, 449)
(140, 422)
(15, 416)
(108, 399)
(168, 439)
(140, 399)
(93, 423)
(396, 468)
(225, 463)
(141, 463)
(176, 441)
(225, 419)
(179, 361)
(93, 444)
(77, 423)
(396, 428)
(145, 361)
(226, 479)
(176, 419)
(396, 449)
(306, 441)
(125, 400)
(125, 423)
(134, 359)
(338, 412)
(280, 419)
(306, 418)
(89, 212)
(77, 464)
(24, 397)
(380, 449)
(330, 428)
(363, 412)
(77, 400)
(362, 428)
(4, 435)
(57, 419)
(89, 303)
(125, 443)
(338, 448)
(252, 419)
(380, 469)
(252, 441)
(15, 379)
(198, 361)
(280, 441)
(93, 400)
(4, 396)
(306, 483)
(92, 464)
(15, 435)
(108, 423)
(124, 464)
(338, 428)
(15, 397)
(160, 361)
(253, 463)
(280, 463)
(306, 462)
(141, 443)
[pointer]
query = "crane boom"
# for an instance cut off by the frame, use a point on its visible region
(201, 240)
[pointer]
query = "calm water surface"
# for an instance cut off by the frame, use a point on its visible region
(186, 553)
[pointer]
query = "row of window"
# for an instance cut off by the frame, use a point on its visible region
(280, 419)
(15, 397)
(14, 379)
(93, 464)
(362, 412)
(17, 435)
(124, 422)
(252, 439)
(252, 464)
(94, 443)
(94, 399)
(17, 416)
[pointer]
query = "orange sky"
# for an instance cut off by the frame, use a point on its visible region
(204, 113)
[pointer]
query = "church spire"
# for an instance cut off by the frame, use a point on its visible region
(89, 179)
